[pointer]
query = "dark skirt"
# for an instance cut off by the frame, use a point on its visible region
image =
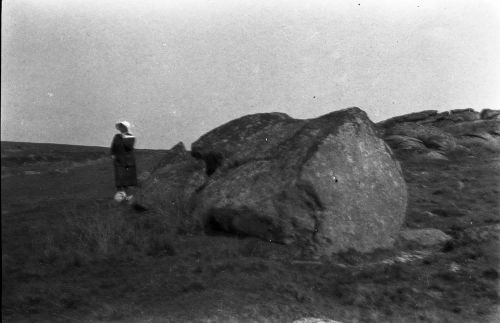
(125, 175)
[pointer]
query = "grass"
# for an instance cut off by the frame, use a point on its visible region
(105, 232)
(99, 238)
(77, 258)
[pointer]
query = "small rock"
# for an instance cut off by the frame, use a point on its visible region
(454, 267)
(430, 214)
(422, 237)
(31, 172)
(314, 320)
(436, 155)
(143, 176)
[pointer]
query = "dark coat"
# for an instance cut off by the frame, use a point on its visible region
(125, 168)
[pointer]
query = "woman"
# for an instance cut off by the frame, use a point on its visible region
(122, 153)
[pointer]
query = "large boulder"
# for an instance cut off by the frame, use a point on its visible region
(328, 184)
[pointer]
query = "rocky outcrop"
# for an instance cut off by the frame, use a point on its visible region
(431, 137)
(479, 132)
(411, 117)
(430, 134)
(487, 114)
(171, 186)
(328, 184)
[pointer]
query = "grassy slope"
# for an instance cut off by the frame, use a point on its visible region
(70, 254)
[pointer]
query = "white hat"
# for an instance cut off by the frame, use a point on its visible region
(126, 124)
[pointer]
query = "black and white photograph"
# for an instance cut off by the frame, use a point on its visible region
(250, 161)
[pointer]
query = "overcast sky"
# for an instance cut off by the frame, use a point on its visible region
(176, 69)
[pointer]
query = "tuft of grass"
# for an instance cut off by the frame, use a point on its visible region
(195, 286)
(158, 245)
(102, 233)
(172, 206)
(50, 251)
(109, 312)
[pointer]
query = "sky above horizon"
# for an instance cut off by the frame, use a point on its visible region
(177, 69)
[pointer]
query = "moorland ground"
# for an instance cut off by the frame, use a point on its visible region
(70, 253)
